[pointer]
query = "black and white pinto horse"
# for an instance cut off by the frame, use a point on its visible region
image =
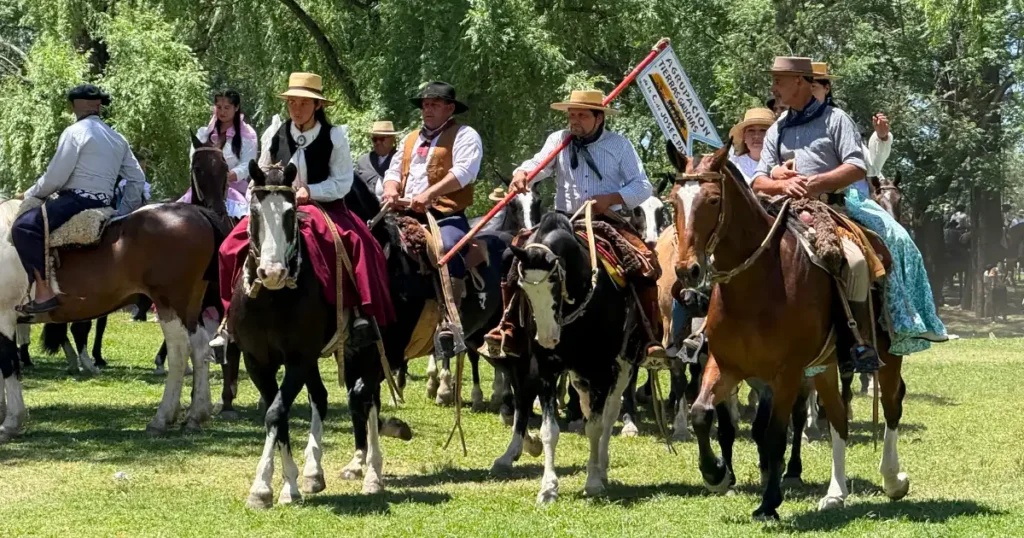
(586, 330)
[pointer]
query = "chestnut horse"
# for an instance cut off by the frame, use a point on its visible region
(167, 252)
(770, 316)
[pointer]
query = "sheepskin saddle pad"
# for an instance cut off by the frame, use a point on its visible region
(83, 229)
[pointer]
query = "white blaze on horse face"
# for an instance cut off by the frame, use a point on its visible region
(525, 205)
(541, 294)
(650, 208)
(273, 268)
(687, 192)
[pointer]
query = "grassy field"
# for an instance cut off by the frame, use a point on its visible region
(961, 443)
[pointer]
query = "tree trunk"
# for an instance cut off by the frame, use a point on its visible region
(929, 239)
(340, 72)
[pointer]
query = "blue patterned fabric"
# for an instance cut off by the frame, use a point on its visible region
(908, 298)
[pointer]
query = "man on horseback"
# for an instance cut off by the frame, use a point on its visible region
(372, 166)
(599, 166)
(83, 174)
(824, 144)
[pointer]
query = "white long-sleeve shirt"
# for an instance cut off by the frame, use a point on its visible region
(90, 156)
(467, 152)
(614, 156)
(339, 178)
(877, 152)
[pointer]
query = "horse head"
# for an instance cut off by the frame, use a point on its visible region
(887, 194)
(650, 218)
(553, 272)
(209, 176)
(522, 212)
(274, 225)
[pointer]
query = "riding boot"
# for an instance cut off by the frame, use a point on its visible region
(862, 358)
(500, 342)
(647, 293)
(445, 335)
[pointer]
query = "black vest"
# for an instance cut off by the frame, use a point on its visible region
(318, 153)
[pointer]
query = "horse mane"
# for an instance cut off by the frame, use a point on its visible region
(552, 222)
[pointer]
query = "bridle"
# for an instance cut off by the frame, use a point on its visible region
(292, 252)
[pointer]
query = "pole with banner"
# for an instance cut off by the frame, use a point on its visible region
(656, 52)
(675, 104)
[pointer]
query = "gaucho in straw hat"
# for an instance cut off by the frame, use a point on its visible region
(598, 165)
(316, 158)
(372, 166)
(748, 138)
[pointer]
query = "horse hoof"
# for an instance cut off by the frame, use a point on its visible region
(507, 419)
(532, 445)
(229, 415)
(260, 500)
(7, 434)
(765, 515)
(445, 394)
(575, 426)
(313, 484)
(792, 482)
(898, 488)
(500, 468)
(630, 430)
(193, 426)
(160, 370)
(547, 495)
(431, 386)
(479, 406)
(594, 490)
(156, 430)
(830, 503)
(396, 428)
(722, 487)
(289, 497)
(352, 473)
(372, 487)
(72, 370)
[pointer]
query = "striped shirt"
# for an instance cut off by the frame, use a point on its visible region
(613, 155)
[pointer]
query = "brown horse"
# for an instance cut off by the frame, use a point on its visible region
(770, 316)
(167, 252)
(886, 193)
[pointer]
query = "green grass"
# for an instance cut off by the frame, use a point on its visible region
(961, 444)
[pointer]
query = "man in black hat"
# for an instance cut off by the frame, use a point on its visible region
(83, 174)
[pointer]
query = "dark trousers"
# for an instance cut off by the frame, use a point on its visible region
(453, 228)
(29, 235)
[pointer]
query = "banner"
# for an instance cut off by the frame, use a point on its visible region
(675, 104)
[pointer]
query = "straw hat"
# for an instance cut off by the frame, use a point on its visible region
(821, 71)
(497, 195)
(586, 99)
(792, 65)
(383, 128)
(305, 85)
(754, 116)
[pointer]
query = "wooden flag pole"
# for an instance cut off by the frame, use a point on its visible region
(547, 160)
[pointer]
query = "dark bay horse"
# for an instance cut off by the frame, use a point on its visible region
(772, 311)
(167, 252)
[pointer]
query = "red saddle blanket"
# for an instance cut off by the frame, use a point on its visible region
(368, 263)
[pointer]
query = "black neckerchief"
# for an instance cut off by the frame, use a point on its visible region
(794, 118)
(431, 134)
(579, 146)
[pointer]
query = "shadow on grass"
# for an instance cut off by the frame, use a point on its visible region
(933, 399)
(627, 495)
(369, 505)
(462, 476)
(924, 511)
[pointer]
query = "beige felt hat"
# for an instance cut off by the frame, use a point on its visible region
(792, 65)
(586, 99)
(821, 71)
(754, 116)
(383, 128)
(306, 85)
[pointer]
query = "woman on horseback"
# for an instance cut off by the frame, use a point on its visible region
(320, 152)
(228, 131)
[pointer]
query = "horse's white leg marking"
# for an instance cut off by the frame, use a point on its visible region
(512, 453)
(629, 428)
(202, 407)
(86, 362)
(16, 412)
(71, 356)
(610, 414)
(594, 484)
(542, 303)
(177, 340)
(478, 398)
(431, 377)
(549, 437)
(261, 494)
(313, 472)
(354, 469)
(895, 484)
(497, 388)
(445, 388)
(811, 430)
(373, 482)
(290, 476)
(837, 491)
(680, 426)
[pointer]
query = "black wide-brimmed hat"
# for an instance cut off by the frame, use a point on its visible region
(89, 92)
(439, 90)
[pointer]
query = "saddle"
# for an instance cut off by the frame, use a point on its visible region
(82, 230)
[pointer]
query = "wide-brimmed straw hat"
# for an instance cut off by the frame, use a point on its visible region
(439, 90)
(383, 128)
(308, 85)
(754, 116)
(497, 195)
(792, 65)
(821, 71)
(585, 99)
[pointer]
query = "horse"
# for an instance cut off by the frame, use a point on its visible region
(886, 193)
(167, 252)
(586, 327)
(773, 311)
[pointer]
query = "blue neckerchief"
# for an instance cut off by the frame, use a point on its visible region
(793, 118)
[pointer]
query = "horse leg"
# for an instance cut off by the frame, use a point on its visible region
(373, 483)
(680, 426)
(478, 394)
(835, 410)
(523, 395)
(811, 431)
(160, 359)
(176, 337)
(846, 381)
(770, 434)
(714, 388)
(261, 494)
(313, 480)
(232, 355)
(607, 402)
(23, 337)
(97, 342)
(629, 397)
(80, 332)
(445, 387)
(295, 377)
(549, 437)
(892, 389)
(201, 408)
(795, 467)
(431, 377)
(727, 435)
(358, 404)
(403, 374)
(12, 403)
(575, 414)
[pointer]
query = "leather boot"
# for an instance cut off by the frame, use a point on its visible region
(862, 358)
(445, 336)
(647, 292)
(500, 342)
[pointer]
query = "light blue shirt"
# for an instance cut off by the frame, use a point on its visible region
(613, 155)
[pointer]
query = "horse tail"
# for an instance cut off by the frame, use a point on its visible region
(55, 335)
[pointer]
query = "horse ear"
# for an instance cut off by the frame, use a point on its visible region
(665, 181)
(290, 172)
(519, 253)
(196, 144)
(897, 179)
(875, 182)
(678, 160)
(720, 156)
(257, 175)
